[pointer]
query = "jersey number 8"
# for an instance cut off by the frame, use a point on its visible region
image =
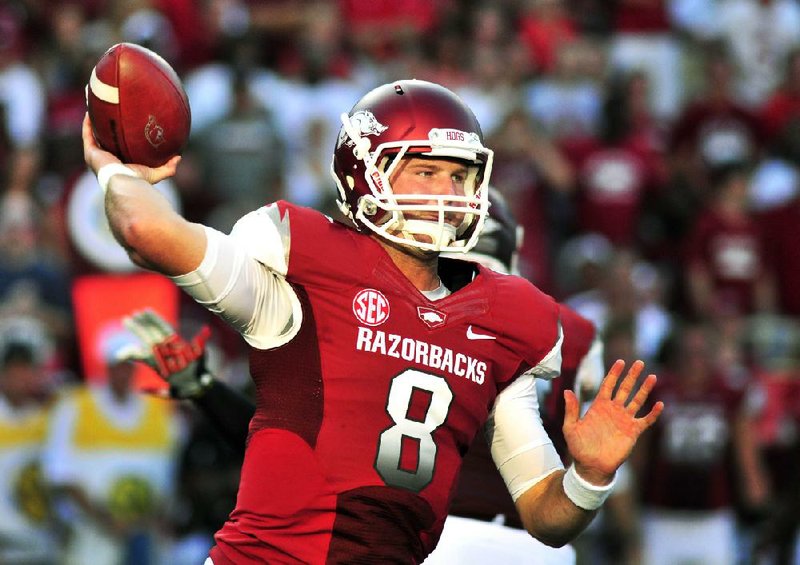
(415, 430)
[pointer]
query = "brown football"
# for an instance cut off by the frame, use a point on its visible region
(137, 105)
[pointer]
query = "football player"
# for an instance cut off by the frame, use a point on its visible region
(375, 363)
(483, 521)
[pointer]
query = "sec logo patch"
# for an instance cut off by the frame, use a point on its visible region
(371, 307)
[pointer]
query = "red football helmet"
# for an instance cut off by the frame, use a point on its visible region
(411, 117)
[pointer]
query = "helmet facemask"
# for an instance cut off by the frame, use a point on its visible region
(419, 221)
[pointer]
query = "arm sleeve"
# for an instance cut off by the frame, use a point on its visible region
(230, 413)
(521, 449)
(250, 295)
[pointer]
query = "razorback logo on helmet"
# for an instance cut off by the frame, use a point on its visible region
(432, 318)
(153, 132)
(371, 307)
(366, 123)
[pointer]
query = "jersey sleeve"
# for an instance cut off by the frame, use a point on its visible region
(531, 323)
(242, 279)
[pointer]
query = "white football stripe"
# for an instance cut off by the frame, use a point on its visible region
(103, 91)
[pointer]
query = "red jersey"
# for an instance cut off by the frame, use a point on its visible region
(690, 454)
(579, 335)
(731, 251)
(363, 417)
(613, 182)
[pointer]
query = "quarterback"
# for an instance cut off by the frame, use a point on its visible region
(353, 453)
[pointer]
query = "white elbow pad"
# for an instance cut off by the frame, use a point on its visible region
(521, 448)
(258, 302)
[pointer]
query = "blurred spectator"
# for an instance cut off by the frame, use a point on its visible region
(65, 62)
(109, 458)
(781, 110)
(546, 27)
(776, 177)
(759, 34)
(25, 536)
(622, 167)
(726, 272)
(143, 23)
(533, 176)
(642, 40)
(241, 157)
(33, 285)
(581, 263)
(776, 351)
(23, 98)
(628, 289)
(379, 27)
(490, 93)
(779, 227)
(714, 130)
(568, 101)
(692, 460)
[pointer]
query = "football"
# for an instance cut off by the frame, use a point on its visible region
(137, 106)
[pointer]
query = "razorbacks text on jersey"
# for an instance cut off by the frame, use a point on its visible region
(363, 417)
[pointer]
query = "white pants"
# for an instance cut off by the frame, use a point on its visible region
(466, 541)
(685, 537)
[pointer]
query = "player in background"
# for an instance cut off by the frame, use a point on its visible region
(483, 523)
(376, 363)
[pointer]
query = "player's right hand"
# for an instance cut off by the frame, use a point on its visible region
(95, 157)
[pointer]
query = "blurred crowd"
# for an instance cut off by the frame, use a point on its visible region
(649, 148)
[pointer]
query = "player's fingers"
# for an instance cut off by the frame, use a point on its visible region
(94, 156)
(134, 356)
(653, 415)
(199, 341)
(159, 324)
(154, 175)
(627, 384)
(570, 409)
(156, 329)
(135, 325)
(641, 395)
(610, 381)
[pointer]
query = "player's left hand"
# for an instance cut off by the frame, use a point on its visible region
(604, 437)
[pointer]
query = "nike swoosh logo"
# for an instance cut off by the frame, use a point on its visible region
(472, 335)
